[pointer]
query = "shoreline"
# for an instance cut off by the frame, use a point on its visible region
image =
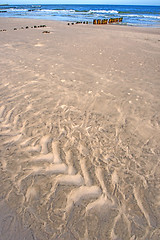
(90, 22)
(96, 26)
(79, 131)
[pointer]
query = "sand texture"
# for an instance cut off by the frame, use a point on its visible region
(79, 132)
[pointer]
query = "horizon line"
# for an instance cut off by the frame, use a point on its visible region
(80, 4)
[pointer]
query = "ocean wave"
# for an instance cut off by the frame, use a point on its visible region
(79, 11)
(43, 11)
(135, 15)
(17, 10)
(130, 15)
(139, 12)
(104, 11)
(151, 16)
(56, 11)
(140, 16)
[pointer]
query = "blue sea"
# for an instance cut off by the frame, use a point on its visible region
(145, 16)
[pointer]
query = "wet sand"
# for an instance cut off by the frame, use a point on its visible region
(79, 131)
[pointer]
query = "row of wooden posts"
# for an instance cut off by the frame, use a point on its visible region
(101, 21)
(106, 21)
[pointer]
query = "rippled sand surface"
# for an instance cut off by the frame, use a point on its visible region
(79, 132)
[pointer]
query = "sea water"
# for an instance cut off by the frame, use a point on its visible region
(148, 16)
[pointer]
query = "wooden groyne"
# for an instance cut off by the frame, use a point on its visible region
(100, 21)
(107, 21)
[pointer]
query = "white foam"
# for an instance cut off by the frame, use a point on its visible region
(104, 11)
(17, 10)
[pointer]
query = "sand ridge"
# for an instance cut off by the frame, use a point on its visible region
(79, 133)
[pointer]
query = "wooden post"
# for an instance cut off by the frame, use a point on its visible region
(120, 19)
(94, 21)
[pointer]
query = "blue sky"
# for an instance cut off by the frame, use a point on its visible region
(132, 2)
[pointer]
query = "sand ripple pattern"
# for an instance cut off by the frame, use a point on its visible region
(70, 171)
(62, 181)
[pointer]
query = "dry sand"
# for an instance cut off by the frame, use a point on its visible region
(79, 132)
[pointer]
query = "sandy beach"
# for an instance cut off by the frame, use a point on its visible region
(79, 131)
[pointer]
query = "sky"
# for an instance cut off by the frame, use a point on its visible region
(125, 2)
